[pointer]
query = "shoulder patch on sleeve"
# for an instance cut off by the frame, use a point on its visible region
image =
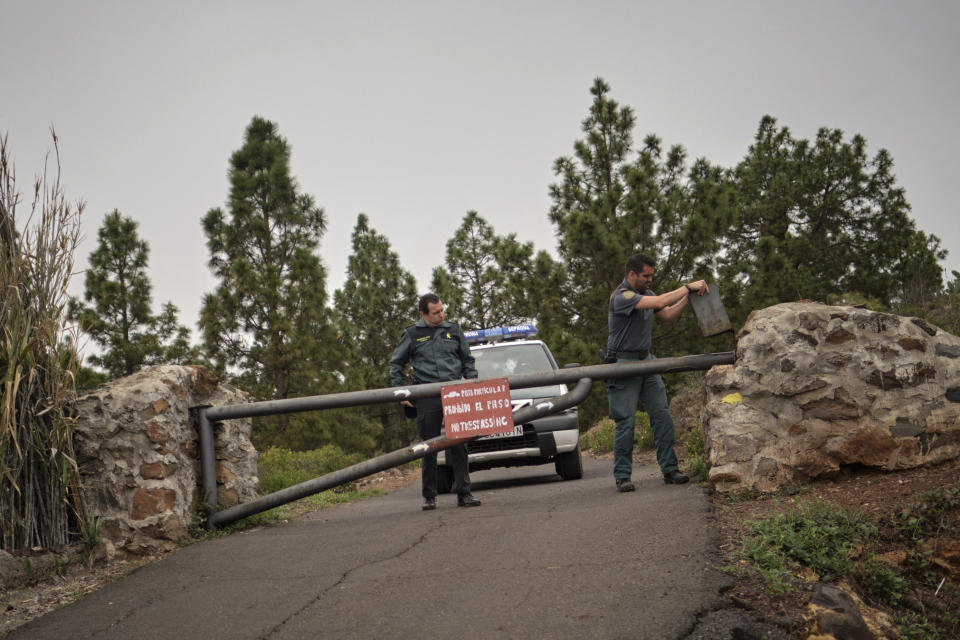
(628, 295)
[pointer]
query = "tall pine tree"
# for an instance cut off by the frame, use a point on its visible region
(267, 321)
(377, 301)
(611, 202)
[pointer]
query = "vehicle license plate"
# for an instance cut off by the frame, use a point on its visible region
(517, 431)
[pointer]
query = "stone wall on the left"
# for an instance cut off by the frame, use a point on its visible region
(138, 455)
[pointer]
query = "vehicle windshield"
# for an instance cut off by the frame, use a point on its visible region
(505, 360)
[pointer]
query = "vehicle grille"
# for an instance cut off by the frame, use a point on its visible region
(527, 440)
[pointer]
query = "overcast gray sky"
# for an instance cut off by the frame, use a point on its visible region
(417, 112)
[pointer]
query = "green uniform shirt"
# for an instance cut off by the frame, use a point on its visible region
(437, 354)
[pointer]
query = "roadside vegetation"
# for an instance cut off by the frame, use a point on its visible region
(900, 558)
(40, 501)
(281, 468)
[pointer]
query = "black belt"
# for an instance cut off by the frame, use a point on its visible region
(639, 355)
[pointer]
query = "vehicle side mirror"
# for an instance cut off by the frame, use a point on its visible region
(571, 365)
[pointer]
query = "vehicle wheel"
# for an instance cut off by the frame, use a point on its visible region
(444, 478)
(568, 464)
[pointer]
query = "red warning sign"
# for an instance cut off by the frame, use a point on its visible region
(477, 408)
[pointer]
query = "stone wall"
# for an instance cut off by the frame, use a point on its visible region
(138, 455)
(817, 387)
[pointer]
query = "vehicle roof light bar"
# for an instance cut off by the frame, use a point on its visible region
(495, 334)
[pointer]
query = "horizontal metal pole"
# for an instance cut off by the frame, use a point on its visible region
(394, 458)
(432, 390)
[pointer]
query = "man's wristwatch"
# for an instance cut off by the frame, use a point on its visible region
(689, 289)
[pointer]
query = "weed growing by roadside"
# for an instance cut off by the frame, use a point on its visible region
(91, 535)
(290, 510)
(746, 495)
(642, 433)
(927, 517)
(818, 535)
(918, 627)
(599, 438)
(882, 581)
(918, 562)
(696, 455)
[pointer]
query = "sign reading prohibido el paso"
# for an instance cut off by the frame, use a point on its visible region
(477, 408)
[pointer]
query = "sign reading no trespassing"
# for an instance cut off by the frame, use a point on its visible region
(477, 408)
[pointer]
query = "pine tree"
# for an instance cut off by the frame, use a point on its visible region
(485, 276)
(377, 301)
(608, 205)
(267, 321)
(821, 218)
(118, 317)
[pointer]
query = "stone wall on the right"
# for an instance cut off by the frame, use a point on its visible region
(815, 388)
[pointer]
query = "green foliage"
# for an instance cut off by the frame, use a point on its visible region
(942, 309)
(882, 581)
(40, 501)
(611, 201)
(818, 535)
(316, 502)
(267, 320)
(118, 317)
(91, 535)
(282, 468)
(485, 276)
(928, 517)
(378, 300)
(826, 198)
(642, 433)
(918, 563)
(914, 626)
(598, 439)
(696, 455)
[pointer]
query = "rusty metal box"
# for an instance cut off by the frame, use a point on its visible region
(711, 316)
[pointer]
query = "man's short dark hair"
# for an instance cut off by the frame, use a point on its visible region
(637, 262)
(426, 300)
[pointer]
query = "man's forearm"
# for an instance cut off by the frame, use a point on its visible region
(671, 313)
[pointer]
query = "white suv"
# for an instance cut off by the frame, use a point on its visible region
(500, 353)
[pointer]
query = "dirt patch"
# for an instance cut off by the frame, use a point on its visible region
(57, 579)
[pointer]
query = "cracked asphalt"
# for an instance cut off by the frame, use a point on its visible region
(541, 558)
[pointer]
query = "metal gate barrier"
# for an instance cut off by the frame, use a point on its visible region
(582, 377)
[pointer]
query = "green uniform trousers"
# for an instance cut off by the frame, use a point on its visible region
(623, 395)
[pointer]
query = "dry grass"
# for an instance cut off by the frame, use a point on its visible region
(39, 497)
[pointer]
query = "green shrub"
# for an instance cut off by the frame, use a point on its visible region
(927, 517)
(882, 581)
(818, 535)
(599, 439)
(282, 468)
(696, 455)
(642, 433)
(918, 627)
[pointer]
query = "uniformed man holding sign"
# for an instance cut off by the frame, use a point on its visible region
(438, 352)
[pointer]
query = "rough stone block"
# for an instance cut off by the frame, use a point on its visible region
(818, 387)
(138, 455)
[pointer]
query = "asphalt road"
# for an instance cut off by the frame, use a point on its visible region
(542, 558)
